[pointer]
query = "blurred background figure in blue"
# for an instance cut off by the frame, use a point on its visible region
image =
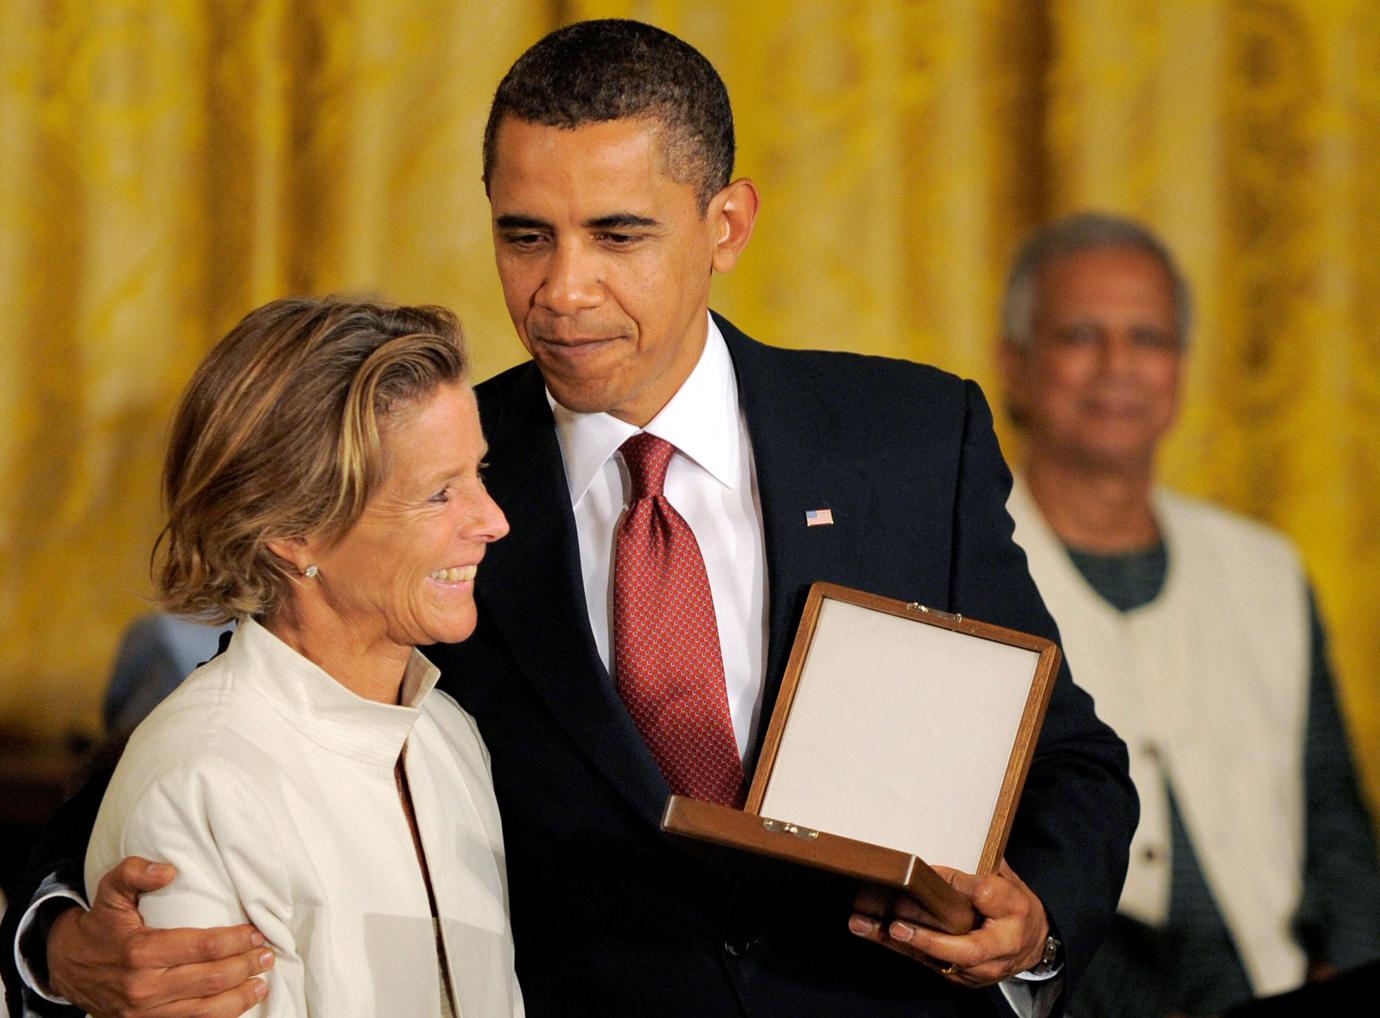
(156, 653)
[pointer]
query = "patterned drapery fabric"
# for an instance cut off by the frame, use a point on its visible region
(166, 166)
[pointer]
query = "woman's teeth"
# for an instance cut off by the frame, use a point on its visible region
(454, 574)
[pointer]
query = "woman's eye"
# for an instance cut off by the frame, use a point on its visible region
(441, 496)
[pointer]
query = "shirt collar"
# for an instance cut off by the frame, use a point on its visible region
(701, 420)
(321, 707)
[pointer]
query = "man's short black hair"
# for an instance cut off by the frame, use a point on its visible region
(611, 69)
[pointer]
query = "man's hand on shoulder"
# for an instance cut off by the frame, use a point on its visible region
(1009, 938)
(108, 962)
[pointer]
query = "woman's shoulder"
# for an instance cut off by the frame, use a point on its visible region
(457, 726)
(450, 717)
(199, 798)
(210, 727)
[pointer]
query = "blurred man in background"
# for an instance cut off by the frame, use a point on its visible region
(1196, 630)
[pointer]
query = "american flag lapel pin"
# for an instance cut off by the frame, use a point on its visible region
(819, 517)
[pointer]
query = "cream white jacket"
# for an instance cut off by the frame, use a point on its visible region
(1208, 684)
(270, 786)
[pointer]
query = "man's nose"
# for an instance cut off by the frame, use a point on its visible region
(572, 282)
(1118, 351)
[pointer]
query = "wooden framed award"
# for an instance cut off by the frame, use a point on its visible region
(901, 738)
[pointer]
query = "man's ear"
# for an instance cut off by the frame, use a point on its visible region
(1013, 364)
(731, 214)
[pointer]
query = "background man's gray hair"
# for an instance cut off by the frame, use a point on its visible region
(1082, 231)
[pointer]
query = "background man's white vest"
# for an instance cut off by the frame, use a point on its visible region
(1209, 682)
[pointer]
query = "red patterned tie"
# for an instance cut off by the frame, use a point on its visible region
(666, 638)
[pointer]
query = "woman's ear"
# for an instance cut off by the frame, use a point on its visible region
(732, 212)
(295, 551)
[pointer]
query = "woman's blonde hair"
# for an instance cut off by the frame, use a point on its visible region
(278, 436)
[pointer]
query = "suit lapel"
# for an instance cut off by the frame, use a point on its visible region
(539, 604)
(795, 458)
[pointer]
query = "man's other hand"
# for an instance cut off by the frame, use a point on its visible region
(1009, 938)
(109, 963)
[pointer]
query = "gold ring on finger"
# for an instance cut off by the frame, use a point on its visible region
(949, 969)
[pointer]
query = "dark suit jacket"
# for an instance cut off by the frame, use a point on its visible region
(611, 916)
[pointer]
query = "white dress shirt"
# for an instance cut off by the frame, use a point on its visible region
(271, 788)
(710, 482)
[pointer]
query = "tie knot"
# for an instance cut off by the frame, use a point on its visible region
(647, 458)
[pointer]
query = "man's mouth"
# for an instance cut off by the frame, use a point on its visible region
(574, 344)
(1118, 408)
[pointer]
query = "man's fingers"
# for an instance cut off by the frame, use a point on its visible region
(877, 933)
(156, 990)
(906, 907)
(874, 901)
(947, 872)
(1002, 944)
(212, 979)
(235, 1001)
(872, 930)
(975, 959)
(992, 896)
(164, 949)
(120, 888)
(148, 969)
(884, 902)
(964, 883)
(969, 950)
(913, 941)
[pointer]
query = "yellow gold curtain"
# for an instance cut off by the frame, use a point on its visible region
(164, 167)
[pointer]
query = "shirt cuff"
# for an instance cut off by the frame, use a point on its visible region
(1032, 996)
(30, 943)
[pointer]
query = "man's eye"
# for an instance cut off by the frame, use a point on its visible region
(1155, 339)
(619, 239)
(523, 240)
(441, 497)
(1079, 335)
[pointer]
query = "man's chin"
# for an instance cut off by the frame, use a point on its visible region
(1117, 457)
(581, 396)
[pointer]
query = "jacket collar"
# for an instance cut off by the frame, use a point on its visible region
(322, 708)
(797, 451)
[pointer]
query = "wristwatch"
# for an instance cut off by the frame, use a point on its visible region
(1051, 959)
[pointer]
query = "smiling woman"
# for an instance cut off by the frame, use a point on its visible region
(403, 573)
(323, 489)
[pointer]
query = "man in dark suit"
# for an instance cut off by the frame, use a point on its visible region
(608, 159)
